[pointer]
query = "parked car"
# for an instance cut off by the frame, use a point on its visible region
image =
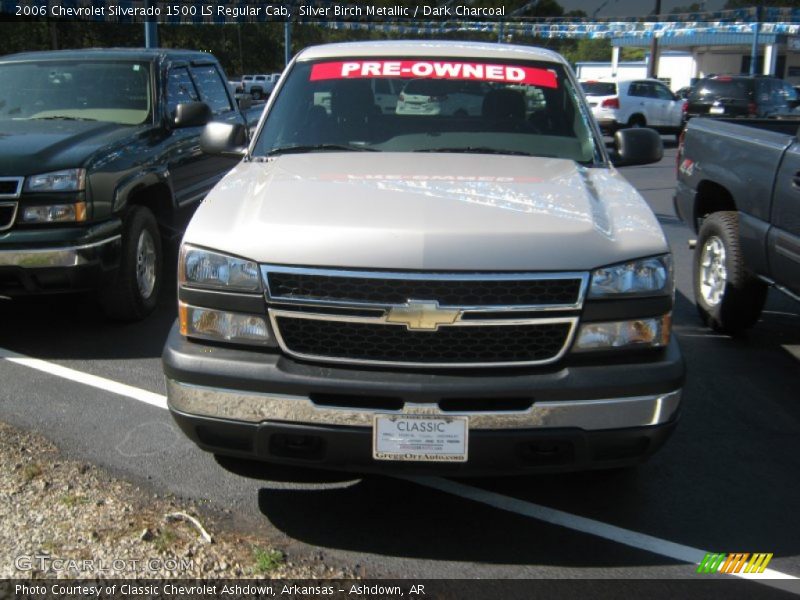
(683, 93)
(273, 79)
(258, 86)
(99, 158)
(382, 292)
(741, 96)
(636, 103)
(442, 97)
(738, 183)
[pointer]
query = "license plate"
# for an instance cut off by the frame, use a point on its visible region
(420, 438)
(717, 110)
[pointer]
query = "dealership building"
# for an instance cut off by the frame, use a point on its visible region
(692, 55)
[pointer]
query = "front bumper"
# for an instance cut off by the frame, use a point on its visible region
(50, 264)
(268, 407)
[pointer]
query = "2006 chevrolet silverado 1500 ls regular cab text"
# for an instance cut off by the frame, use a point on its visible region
(377, 291)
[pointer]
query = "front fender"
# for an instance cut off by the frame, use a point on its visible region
(139, 180)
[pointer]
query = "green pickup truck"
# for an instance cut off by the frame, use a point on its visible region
(99, 160)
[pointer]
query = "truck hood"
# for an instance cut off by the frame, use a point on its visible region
(447, 212)
(28, 147)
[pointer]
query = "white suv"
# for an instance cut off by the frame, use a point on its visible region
(635, 103)
(442, 97)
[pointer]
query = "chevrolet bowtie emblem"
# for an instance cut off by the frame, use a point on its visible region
(422, 315)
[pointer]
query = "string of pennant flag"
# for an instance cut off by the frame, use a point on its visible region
(770, 20)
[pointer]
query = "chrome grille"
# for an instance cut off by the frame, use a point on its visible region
(424, 319)
(455, 346)
(10, 187)
(8, 212)
(531, 290)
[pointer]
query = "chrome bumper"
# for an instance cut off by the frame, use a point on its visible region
(253, 407)
(67, 256)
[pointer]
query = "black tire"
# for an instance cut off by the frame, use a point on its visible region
(256, 93)
(740, 296)
(124, 298)
(637, 121)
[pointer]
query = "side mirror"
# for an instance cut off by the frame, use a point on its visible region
(637, 146)
(245, 102)
(227, 139)
(191, 114)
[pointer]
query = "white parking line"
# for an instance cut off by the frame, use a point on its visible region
(101, 383)
(794, 350)
(613, 533)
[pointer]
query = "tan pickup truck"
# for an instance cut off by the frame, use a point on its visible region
(426, 290)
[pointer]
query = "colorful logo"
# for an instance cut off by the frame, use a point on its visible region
(736, 562)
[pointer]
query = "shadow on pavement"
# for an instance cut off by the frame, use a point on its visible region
(719, 484)
(398, 518)
(73, 326)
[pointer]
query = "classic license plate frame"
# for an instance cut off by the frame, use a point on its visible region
(420, 438)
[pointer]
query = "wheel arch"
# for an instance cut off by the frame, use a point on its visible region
(151, 190)
(711, 197)
(634, 116)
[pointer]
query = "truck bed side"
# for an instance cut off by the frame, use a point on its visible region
(732, 165)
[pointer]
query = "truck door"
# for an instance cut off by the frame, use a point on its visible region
(182, 145)
(195, 173)
(784, 237)
(208, 170)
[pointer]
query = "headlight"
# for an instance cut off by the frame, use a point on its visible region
(638, 333)
(204, 268)
(69, 180)
(645, 277)
(222, 326)
(55, 213)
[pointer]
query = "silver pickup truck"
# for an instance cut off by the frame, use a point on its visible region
(425, 289)
(739, 188)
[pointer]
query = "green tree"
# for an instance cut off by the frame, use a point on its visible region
(693, 7)
(588, 50)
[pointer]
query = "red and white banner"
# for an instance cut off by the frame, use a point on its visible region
(434, 69)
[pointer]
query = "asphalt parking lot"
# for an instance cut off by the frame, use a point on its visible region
(726, 481)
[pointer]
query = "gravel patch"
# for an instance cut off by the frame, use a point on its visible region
(62, 518)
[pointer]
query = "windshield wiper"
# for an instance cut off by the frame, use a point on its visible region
(62, 118)
(300, 149)
(476, 150)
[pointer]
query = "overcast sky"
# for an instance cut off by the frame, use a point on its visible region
(632, 8)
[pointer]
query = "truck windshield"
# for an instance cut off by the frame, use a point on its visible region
(432, 105)
(113, 92)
